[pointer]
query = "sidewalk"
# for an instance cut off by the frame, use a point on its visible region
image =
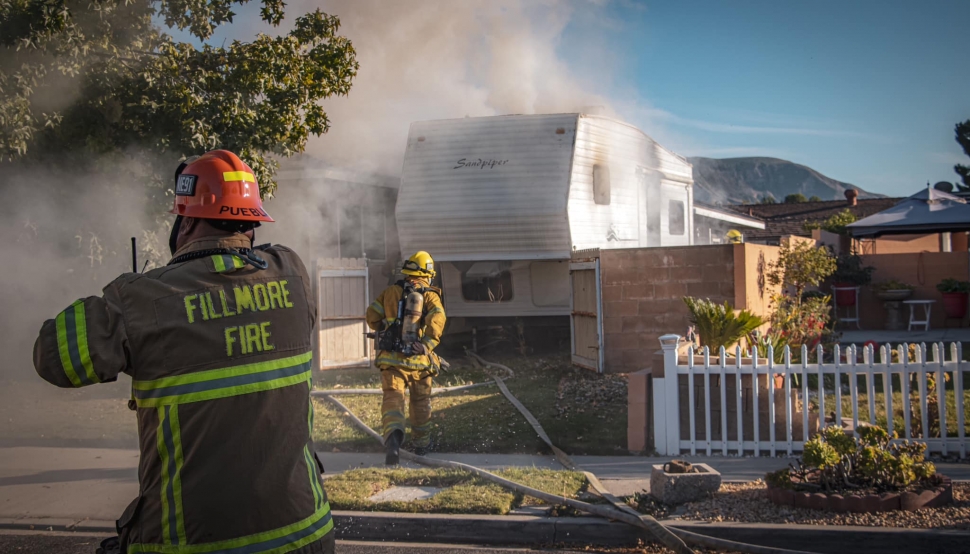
(98, 483)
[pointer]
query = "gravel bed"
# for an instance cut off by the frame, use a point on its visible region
(748, 503)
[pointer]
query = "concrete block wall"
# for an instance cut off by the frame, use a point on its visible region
(642, 290)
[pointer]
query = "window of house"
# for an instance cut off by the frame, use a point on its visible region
(601, 184)
(676, 218)
(486, 282)
(362, 229)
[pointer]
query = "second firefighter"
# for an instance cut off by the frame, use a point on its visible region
(408, 318)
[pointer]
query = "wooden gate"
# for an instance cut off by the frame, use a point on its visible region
(342, 300)
(585, 319)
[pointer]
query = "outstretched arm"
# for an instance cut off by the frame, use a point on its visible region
(85, 344)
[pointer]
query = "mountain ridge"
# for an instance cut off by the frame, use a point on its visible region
(745, 180)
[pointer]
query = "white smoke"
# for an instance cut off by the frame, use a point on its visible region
(439, 59)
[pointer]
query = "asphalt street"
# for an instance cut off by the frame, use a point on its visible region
(29, 542)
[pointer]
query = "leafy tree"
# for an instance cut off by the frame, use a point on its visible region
(814, 198)
(796, 198)
(835, 223)
(800, 265)
(768, 199)
(963, 138)
(82, 82)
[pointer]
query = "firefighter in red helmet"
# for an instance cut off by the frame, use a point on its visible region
(217, 344)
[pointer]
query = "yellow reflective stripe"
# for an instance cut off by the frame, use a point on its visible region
(430, 343)
(435, 310)
(277, 541)
(169, 442)
(166, 470)
(177, 478)
(213, 374)
(62, 349)
(378, 307)
(237, 262)
(392, 360)
(81, 330)
(238, 176)
(219, 263)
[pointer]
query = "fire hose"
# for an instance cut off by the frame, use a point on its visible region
(672, 538)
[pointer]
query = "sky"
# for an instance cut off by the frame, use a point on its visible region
(866, 92)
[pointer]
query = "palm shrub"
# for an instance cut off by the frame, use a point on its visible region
(718, 324)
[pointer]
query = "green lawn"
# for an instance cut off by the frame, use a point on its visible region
(898, 407)
(463, 493)
(583, 413)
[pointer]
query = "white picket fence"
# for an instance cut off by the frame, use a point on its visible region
(848, 365)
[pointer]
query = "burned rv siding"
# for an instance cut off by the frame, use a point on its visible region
(488, 188)
(501, 202)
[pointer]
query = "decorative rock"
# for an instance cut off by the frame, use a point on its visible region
(854, 504)
(678, 488)
(817, 501)
(941, 495)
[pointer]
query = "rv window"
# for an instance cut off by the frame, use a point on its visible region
(601, 184)
(486, 282)
(676, 218)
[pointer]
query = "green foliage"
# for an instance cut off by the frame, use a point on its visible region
(835, 461)
(814, 198)
(84, 81)
(849, 269)
(819, 454)
(802, 322)
(800, 264)
(891, 284)
(780, 479)
(835, 223)
(963, 139)
(953, 285)
(768, 199)
(797, 317)
(718, 325)
(774, 340)
(796, 198)
(835, 437)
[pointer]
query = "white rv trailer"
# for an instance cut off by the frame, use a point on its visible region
(501, 202)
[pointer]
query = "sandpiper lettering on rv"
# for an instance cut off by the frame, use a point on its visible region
(479, 163)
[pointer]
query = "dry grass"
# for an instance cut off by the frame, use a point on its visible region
(582, 412)
(463, 493)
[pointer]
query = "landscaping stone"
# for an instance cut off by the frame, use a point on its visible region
(935, 497)
(405, 494)
(678, 488)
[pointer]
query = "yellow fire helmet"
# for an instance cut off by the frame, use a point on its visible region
(419, 265)
(734, 236)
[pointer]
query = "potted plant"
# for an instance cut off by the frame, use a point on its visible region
(954, 297)
(849, 272)
(892, 290)
(720, 325)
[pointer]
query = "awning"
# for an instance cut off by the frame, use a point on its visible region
(928, 211)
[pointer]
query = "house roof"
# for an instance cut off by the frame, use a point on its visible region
(927, 211)
(790, 219)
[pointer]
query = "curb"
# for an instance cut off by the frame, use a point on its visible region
(835, 539)
(535, 530)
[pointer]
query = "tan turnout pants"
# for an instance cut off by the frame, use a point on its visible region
(394, 381)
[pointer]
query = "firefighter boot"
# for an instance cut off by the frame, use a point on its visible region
(392, 447)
